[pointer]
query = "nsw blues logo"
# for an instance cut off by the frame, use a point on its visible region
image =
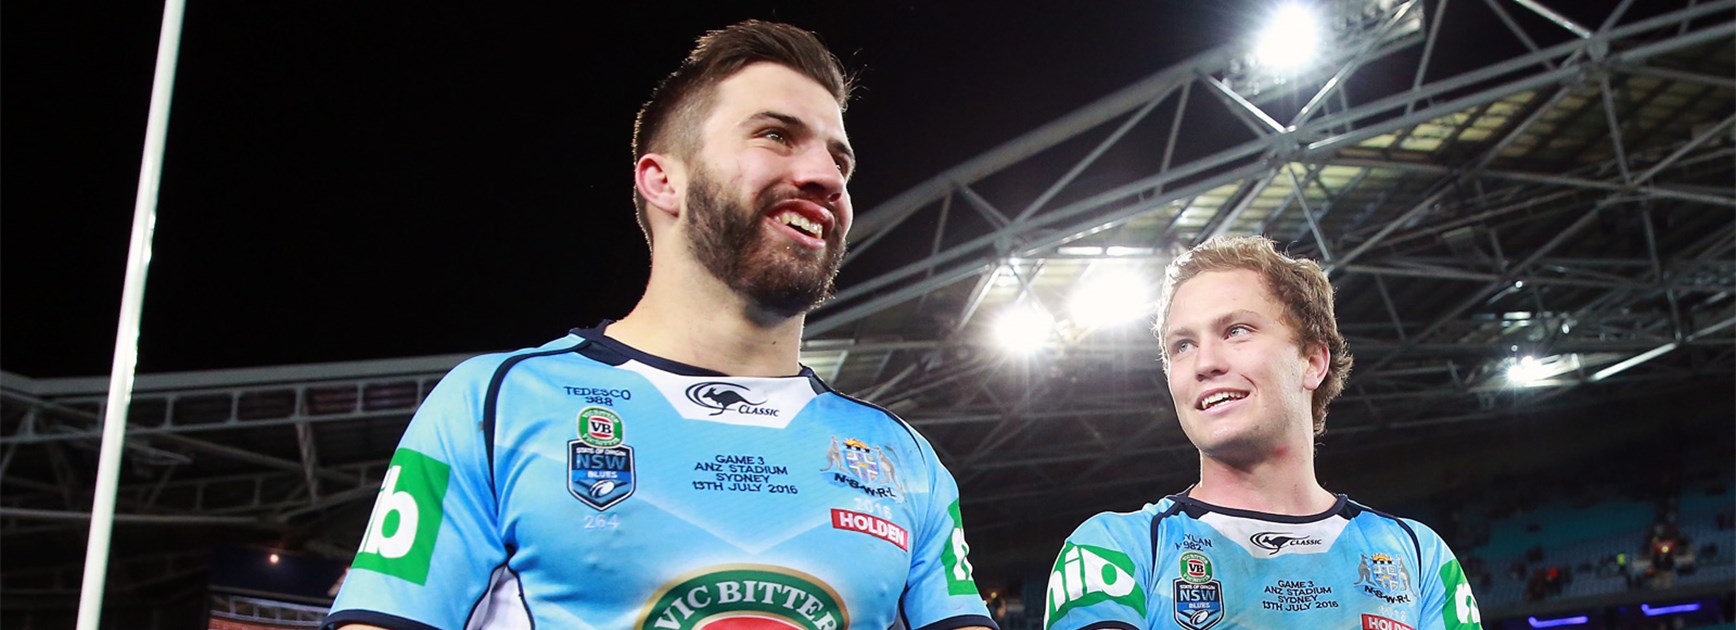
(600, 477)
(1199, 599)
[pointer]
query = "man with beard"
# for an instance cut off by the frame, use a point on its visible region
(680, 468)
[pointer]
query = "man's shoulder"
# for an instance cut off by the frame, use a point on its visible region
(868, 411)
(1125, 528)
(483, 369)
(1383, 518)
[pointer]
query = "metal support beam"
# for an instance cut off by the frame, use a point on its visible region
(1559, 19)
(1257, 120)
(309, 459)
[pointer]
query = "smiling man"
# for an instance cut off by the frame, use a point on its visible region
(1253, 357)
(680, 468)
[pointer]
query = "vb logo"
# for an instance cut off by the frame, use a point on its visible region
(400, 537)
(1085, 575)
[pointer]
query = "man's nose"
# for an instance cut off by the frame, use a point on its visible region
(1208, 360)
(816, 172)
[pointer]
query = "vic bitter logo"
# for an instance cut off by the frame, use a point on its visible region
(723, 396)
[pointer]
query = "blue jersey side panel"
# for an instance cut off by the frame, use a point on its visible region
(432, 567)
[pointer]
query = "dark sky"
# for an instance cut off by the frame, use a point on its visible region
(361, 180)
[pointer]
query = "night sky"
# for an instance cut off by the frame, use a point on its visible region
(363, 180)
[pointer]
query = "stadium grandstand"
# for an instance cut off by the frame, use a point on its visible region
(1532, 233)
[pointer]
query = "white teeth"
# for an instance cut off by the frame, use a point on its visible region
(1214, 399)
(812, 228)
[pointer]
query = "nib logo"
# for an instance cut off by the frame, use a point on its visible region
(400, 537)
(1086, 575)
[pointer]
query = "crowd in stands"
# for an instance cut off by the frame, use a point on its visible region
(1568, 534)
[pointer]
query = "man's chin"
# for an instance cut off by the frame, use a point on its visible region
(788, 301)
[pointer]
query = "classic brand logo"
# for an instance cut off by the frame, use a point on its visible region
(601, 427)
(721, 396)
(1086, 575)
(871, 525)
(400, 537)
(1277, 541)
(1376, 622)
(746, 596)
(1461, 612)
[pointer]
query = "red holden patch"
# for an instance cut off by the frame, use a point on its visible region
(872, 526)
(1376, 622)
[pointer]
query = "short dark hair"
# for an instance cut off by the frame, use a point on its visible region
(1297, 283)
(667, 122)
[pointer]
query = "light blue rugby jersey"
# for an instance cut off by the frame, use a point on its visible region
(585, 484)
(1181, 563)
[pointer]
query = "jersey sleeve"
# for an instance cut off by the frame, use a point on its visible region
(1445, 594)
(941, 591)
(1099, 577)
(432, 544)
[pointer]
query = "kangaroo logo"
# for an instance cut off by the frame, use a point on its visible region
(721, 396)
(1277, 541)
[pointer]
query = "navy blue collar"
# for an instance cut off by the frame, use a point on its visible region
(601, 347)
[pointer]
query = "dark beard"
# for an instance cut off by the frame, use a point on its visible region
(787, 280)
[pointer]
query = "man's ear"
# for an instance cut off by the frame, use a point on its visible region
(1318, 362)
(660, 180)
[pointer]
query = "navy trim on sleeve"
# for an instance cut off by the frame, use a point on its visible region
(1156, 522)
(1416, 542)
(960, 622)
(1117, 625)
(491, 407)
(337, 620)
(895, 417)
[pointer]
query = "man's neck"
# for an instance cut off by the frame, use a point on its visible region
(1282, 482)
(701, 322)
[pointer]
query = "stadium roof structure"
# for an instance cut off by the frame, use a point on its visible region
(1573, 202)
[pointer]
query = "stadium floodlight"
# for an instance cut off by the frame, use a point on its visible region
(1023, 328)
(1526, 370)
(1110, 297)
(1291, 38)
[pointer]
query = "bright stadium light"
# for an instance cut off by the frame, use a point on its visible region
(1023, 329)
(1110, 297)
(1291, 38)
(1526, 370)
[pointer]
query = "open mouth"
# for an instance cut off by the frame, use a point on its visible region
(801, 224)
(1217, 398)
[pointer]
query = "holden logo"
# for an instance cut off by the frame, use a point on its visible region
(721, 396)
(1277, 541)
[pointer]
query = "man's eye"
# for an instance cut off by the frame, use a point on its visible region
(1180, 347)
(776, 136)
(1238, 330)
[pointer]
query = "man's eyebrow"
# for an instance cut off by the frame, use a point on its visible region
(796, 125)
(1217, 322)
